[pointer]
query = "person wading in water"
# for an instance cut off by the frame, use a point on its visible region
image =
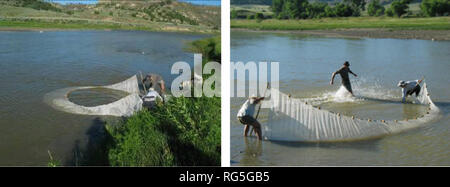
(344, 76)
(246, 113)
(409, 88)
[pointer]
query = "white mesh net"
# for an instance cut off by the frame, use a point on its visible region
(124, 107)
(292, 119)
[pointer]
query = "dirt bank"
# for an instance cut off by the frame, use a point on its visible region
(369, 33)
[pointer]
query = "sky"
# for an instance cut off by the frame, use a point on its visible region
(197, 2)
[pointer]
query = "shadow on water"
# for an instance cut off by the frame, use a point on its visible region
(383, 100)
(254, 148)
(93, 151)
(444, 107)
(366, 145)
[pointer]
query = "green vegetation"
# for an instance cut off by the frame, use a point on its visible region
(34, 4)
(436, 23)
(305, 9)
(242, 11)
(302, 9)
(375, 8)
(182, 132)
(209, 48)
(74, 24)
(435, 7)
(398, 8)
(52, 162)
(247, 2)
(345, 14)
(135, 15)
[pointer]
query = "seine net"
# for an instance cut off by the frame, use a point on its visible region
(125, 106)
(293, 119)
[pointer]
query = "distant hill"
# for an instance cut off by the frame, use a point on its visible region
(145, 13)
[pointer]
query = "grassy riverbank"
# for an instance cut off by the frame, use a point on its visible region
(435, 23)
(181, 132)
(85, 24)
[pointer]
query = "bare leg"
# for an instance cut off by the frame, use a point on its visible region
(257, 129)
(246, 128)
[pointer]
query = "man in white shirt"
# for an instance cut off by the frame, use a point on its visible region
(151, 99)
(409, 88)
(246, 113)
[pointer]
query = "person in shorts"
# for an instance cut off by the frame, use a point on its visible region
(246, 116)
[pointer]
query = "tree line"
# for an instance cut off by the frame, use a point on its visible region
(251, 2)
(303, 9)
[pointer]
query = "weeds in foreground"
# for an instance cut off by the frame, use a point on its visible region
(184, 131)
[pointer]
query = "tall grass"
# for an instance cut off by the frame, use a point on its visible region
(182, 132)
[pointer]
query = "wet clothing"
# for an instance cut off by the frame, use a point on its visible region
(247, 120)
(410, 87)
(347, 86)
(155, 82)
(248, 108)
(247, 111)
(345, 78)
(150, 100)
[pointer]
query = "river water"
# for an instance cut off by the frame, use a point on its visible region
(306, 64)
(33, 64)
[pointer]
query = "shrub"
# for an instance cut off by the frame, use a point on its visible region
(138, 142)
(389, 12)
(398, 8)
(330, 11)
(234, 14)
(38, 5)
(359, 4)
(316, 10)
(375, 8)
(259, 15)
(345, 10)
(435, 7)
(210, 48)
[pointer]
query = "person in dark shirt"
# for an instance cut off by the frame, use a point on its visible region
(343, 71)
(156, 82)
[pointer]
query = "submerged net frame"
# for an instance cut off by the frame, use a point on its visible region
(126, 106)
(292, 119)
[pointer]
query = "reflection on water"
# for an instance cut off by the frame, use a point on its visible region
(33, 64)
(306, 64)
